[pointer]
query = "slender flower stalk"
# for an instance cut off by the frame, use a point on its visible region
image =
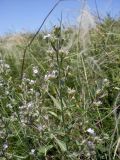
(29, 44)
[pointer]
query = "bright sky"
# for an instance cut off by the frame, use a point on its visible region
(27, 15)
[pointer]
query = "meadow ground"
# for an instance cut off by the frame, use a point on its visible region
(67, 104)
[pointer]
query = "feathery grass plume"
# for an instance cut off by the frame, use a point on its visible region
(80, 32)
(86, 21)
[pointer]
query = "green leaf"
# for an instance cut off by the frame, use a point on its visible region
(60, 143)
(44, 149)
(56, 102)
(55, 115)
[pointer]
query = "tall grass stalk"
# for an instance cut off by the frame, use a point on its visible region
(29, 44)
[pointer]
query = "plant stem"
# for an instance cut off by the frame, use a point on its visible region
(29, 44)
(60, 87)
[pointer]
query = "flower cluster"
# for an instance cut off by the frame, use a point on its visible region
(51, 75)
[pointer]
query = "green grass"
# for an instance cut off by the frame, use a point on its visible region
(67, 105)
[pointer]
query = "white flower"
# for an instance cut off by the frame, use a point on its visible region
(98, 103)
(22, 107)
(30, 104)
(91, 145)
(32, 82)
(98, 91)
(37, 94)
(105, 80)
(51, 75)
(91, 131)
(35, 70)
(41, 127)
(31, 90)
(47, 36)
(7, 92)
(32, 151)
(54, 73)
(5, 146)
(7, 66)
(9, 106)
(71, 91)
(46, 77)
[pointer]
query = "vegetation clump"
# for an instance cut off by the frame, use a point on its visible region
(66, 107)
